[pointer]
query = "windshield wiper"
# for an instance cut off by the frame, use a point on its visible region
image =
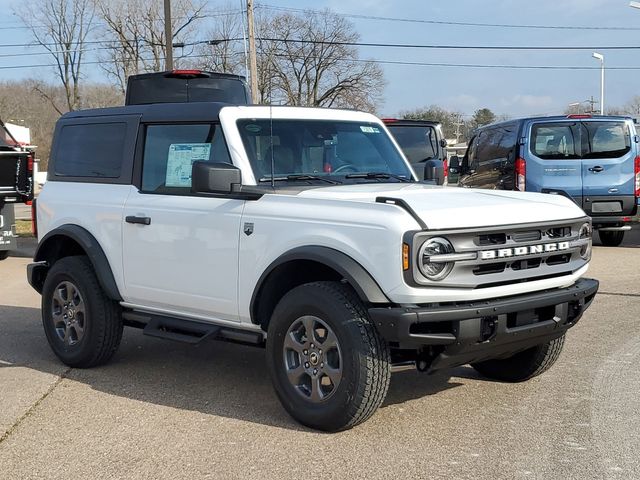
(375, 175)
(300, 177)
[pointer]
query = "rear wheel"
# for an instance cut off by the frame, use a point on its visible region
(4, 254)
(328, 365)
(611, 239)
(524, 365)
(83, 326)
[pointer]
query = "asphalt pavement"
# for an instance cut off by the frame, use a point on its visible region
(168, 410)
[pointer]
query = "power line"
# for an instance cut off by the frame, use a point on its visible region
(387, 62)
(454, 23)
(454, 47)
(378, 44)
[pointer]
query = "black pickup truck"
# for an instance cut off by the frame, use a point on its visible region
(16, 185)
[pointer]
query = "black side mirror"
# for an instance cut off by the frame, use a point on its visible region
(434, 171)
(443, 143)
(208, 177)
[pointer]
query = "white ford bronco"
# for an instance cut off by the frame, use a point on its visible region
(304, 231)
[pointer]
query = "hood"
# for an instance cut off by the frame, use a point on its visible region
(455, 207)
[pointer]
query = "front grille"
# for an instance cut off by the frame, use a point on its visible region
(507, 255)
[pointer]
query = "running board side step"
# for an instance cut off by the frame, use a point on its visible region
(188, 331)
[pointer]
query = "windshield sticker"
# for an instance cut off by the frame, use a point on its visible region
(368, 129)
(180, 159)
(253, 128)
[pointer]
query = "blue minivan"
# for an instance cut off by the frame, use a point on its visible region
(594, 160)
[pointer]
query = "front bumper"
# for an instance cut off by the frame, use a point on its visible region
(467, 332)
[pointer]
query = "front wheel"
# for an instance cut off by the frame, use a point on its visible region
(328, 365)
(524, 365)
(4, 254)
(611, 239)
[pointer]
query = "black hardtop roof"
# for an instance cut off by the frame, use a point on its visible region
(554, 118)
(169, 112)
(390, 122)
(158, 112)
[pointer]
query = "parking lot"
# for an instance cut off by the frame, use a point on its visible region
(168, 410)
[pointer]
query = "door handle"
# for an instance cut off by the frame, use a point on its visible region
(138, 220)
(596, 169)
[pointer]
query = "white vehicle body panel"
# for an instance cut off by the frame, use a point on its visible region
(95, 207)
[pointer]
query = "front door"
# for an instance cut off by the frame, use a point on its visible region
(180, 251)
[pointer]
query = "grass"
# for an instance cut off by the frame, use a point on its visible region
(23, 228)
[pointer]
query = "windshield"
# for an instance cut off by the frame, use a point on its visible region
(322, 149)
(419, 143)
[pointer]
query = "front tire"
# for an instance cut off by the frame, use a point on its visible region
(4, 254)
(328, 364)
(524, 365)
(611, 239)
(83, 326)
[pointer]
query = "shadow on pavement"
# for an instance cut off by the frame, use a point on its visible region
(214, 378)
(631, 238)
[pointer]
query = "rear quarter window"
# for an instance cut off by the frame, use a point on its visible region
(91, 150)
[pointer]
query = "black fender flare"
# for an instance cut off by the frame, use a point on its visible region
(95, 253)
(355, 274)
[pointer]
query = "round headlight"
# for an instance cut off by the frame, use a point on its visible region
(585, 234)
(430, 267)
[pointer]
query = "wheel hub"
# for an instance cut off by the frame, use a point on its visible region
(68, 313)
(312, 358)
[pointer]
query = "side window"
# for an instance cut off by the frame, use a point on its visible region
(469, 161)
(508, 142)
(169, 153)
(91, 150)
(484, 149)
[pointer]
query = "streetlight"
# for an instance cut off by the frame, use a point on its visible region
(600, 57)
(634, 4)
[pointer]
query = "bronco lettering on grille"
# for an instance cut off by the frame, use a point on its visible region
(528, 250)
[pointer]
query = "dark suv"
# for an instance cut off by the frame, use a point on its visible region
(421, 142)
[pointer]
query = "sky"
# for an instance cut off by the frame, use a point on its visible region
(509, 92)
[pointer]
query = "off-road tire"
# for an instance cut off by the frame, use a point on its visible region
(4, 254)
(102, 321)
(611, 239)
(524, 365)
(365, 357)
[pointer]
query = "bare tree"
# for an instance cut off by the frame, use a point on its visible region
(632, 107)
(61, 27)
(306, 60)
(224, 52)
(136, 30)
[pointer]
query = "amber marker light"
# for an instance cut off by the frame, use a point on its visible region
(405, 256)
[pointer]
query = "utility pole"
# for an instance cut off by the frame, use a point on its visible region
(168, 35)
(458, 123)
(253, 62)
